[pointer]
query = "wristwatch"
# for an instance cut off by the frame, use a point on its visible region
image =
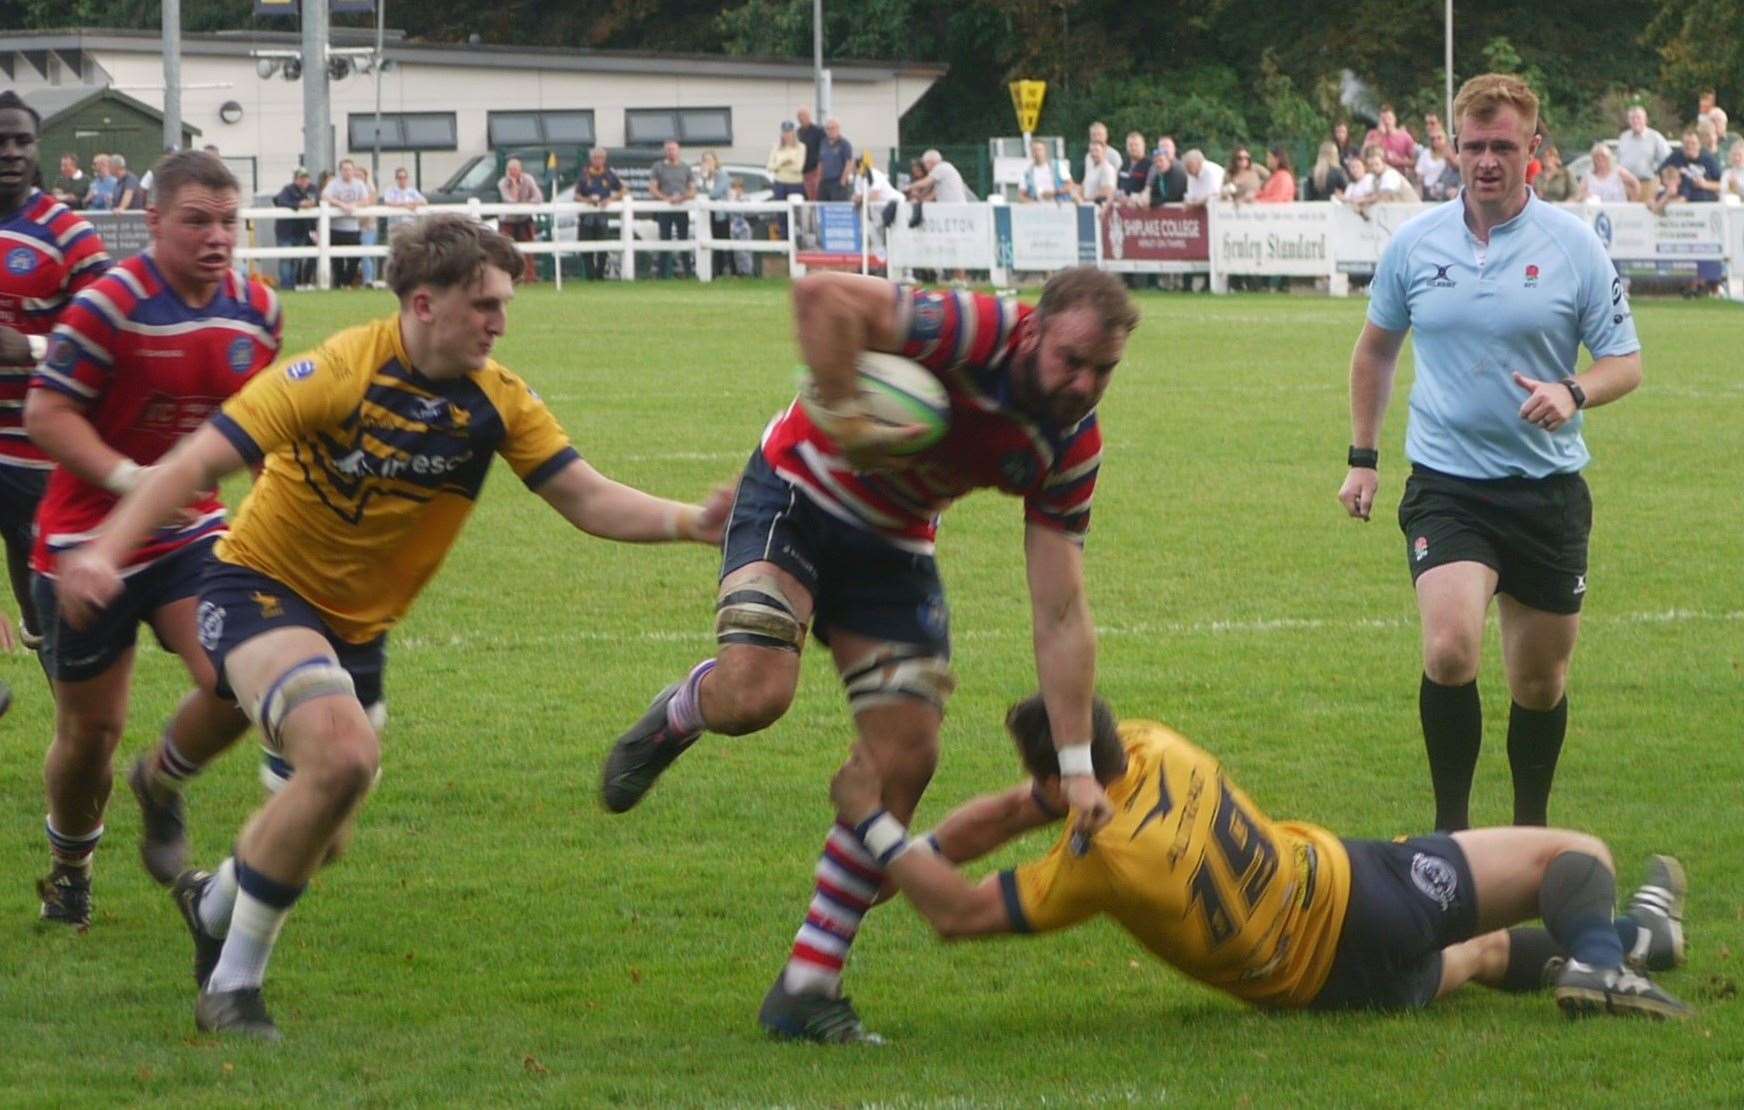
(1366, 457)
(1574, 389)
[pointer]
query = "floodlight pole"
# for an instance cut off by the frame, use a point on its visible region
(172, 65)
(1447, 121)
(317, 110)
(381, 21)
(820, 95)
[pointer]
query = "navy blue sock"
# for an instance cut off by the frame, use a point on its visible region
(1577, 900)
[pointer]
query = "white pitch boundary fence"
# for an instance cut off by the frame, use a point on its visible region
(1326, 241)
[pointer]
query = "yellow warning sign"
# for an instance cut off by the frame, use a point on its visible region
(1026, 98)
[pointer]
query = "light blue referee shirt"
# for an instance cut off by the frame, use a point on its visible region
(1525, 301)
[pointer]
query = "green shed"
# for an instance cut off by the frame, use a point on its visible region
(95, 119)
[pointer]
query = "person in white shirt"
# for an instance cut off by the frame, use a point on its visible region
(1101, 174)
(1204, 177)
(1640, 149)
(1043, 181)
(401, 194)
(1732, 181)
(1099, 134)
(1607, 182)
(942, 183)
(1381, 183)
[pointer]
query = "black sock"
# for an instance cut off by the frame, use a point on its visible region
(1577, 900)
(1453, 730)
(1530, 948)
(1534, 742)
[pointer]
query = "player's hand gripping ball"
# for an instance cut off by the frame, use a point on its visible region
(898, 408)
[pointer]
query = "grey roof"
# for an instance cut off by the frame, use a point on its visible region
(397, 48)
(53, 103)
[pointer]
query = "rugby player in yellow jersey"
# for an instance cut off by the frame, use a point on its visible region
(373, 449)
(1282, 914)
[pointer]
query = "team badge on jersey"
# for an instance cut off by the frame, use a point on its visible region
(210, 622)
(1531, 277)
(20, 261)
(929, 317)
(241, 355)
(297, 371)
(1435, 877)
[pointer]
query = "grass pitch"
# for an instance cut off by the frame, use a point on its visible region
(494, 937)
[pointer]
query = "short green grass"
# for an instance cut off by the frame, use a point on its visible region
(495, 938)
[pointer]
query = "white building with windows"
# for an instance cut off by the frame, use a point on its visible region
(442, 104)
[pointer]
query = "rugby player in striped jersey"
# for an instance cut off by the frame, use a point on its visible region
(47, 253)
(828, 531)
(138, 360)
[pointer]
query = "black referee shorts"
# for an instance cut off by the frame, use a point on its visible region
(1532, 532)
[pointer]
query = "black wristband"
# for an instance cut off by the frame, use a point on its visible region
(1574, 389)
(1366, 457)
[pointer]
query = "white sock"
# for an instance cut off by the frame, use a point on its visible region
(219, 900)
(254, 928)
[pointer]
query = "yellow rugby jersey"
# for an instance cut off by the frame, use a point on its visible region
(1199, 876)
(370, 469)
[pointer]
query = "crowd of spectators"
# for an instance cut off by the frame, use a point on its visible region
(109, 187)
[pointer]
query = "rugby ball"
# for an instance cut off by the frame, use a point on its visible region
(899, 392)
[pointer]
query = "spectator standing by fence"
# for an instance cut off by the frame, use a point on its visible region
(1043, 182)
(1700, 185)
(1437, 169)
(1205, 178)
(1327, 180)
(811, 136)
(1348, 147)
(101, 197)
(71, 187)
(129, 196)
(1135, 172)
(1101, 174)
(1640, 149)
(1610, 183)
(670, 183)
(367, 227)
(1099, 134)
(1168, 182)
(1554, 183)
(1280, 187)
(787, 163)
(518, 187)
(1396, 143)
(402, 194)
(348, 193)
(835, 164)
(1732, 181)
(714, 184)
(297, 196)
(942, 183)
(597, 187)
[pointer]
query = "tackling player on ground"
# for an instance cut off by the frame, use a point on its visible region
(827, 533)
(374, 449)
(1283, 914)
(138, 360)
(49, 253)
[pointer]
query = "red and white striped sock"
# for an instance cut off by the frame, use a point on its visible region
(848, 879)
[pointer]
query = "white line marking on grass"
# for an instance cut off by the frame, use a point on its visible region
(1172, 628)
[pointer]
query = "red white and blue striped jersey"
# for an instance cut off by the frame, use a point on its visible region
(47, 253)
(149, 370)
(969, 340)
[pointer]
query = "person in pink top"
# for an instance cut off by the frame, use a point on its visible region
(1280, 188)
(1395, 142)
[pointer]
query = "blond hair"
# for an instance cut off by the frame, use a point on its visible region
(1486, 94)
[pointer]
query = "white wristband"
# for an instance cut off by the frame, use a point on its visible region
(884, 836)
(38, 347)
(126, 476)
(1075, 760)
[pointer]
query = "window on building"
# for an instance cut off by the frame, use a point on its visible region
(403, 131)
(692, 126)
(539, 128)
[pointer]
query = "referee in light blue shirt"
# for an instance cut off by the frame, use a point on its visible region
(1501, 290)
